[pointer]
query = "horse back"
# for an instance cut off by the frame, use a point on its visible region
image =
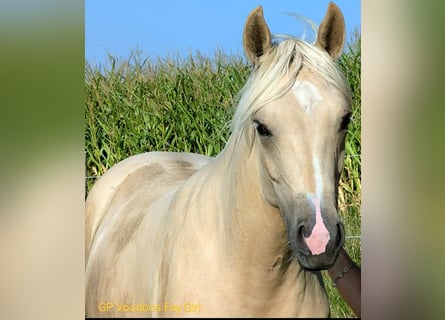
(145, 176)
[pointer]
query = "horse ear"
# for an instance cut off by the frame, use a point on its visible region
(332, 32)
(256, 37)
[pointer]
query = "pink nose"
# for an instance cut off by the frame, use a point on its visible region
(319, 238)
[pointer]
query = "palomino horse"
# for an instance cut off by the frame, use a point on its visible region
(244, 233)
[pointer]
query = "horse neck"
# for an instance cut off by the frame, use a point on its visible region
(256, 229)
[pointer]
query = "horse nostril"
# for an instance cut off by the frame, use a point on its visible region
(340, 235)
(301, 232)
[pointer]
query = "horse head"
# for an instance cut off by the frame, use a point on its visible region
(300, 107)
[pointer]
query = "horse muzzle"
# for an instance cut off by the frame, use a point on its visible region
(316, 234)
(317, 251)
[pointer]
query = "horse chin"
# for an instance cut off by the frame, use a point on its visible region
(317, 262)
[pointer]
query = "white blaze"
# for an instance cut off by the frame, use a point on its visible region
(309, 97)
(318, 178)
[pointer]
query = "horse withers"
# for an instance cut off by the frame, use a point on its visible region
(244, 233)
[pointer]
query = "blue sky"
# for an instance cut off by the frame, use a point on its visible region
(170, 27)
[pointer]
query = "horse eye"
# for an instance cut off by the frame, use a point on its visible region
(345, 121)
(262, 129)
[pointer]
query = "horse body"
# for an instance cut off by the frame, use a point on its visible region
(150, 256)
(242, 234)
